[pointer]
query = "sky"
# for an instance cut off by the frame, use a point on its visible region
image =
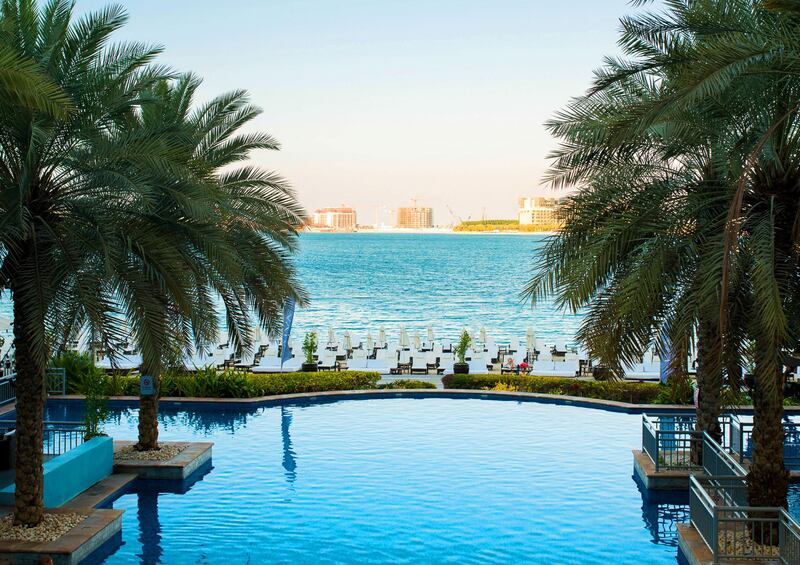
(376, 102)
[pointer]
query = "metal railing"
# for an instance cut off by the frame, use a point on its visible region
(8, 389)
(56, 378)
(719, 511)
(57, 437)
(742, 442)
(717, 461)
(669, 439)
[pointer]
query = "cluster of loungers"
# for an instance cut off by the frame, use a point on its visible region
(437, 357)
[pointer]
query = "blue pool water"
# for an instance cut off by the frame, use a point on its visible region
(402, 480)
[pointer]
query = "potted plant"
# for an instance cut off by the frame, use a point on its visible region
(461, 367)
(309, 347)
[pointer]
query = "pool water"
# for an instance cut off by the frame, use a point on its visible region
(402, 480)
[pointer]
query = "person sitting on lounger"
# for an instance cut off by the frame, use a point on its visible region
(523, 368)
(509, 364)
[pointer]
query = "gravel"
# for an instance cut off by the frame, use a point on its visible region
(165, 452)
(52, 527)
(743, 544)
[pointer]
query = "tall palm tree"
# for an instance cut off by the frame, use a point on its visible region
(227, 231)
(66, 182)
(733, 66)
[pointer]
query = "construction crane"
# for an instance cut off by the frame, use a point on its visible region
(455, 216)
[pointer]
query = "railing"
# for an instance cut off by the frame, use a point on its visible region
(8, 389)
(669, 439)
(56, 378)
(60, 437)
(789, 539)
(733, 530)
(57, 437)
(717, 461)
(742, 442)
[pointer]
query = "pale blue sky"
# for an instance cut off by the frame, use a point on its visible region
(375, 102)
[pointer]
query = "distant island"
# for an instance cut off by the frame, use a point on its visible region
(504, 225)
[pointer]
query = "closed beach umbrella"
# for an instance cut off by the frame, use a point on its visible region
(370, 341)
(348, 344)
(483, 335)
(382, 336)
(404, 337)
(530, 339)
(331, 336)
(417, 340)
(430, 334)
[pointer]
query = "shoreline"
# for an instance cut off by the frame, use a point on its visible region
(429, 231)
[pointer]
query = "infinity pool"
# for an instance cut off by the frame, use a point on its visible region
(402, 480)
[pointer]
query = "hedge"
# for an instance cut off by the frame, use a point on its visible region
(406, 383)
(234, 384)
(634, 393)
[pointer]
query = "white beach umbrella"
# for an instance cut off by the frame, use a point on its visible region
(483, 335)
(370, 341)
(404, 337)
(530, 339)
(430, 334)
(257, 335)
(348, 344)
(331, 336)
(382, 336)
(417, 341)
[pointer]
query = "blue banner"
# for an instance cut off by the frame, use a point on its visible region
(666, 357)
(288, 317)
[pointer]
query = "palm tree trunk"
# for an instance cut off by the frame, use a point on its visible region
(768, 480)
(30, 367)
(709, 382)
(148, 417)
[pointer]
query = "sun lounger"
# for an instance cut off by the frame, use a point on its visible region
(382, 366)
(478, 366)
(123, 362)
(419, 363)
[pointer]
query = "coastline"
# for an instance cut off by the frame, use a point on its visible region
(429, 231)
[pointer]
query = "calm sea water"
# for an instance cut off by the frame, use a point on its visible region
(361, 281)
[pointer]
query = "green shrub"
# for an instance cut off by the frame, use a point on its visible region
(635, 393)
(407, 383)
(95, 403)
(209, 383)
(79, 368)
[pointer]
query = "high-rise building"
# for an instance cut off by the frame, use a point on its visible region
(539, 212)
(336, 219)
(415, 217)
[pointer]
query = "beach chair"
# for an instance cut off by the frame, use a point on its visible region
(267, 364)
(358, 364)
(124, 362)
(419, 363)
(327, 362)
(381, 366)
(478, 366)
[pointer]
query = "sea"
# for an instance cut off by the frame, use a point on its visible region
(360, 282)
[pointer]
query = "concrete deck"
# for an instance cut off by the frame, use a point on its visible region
(176, 469)
(99, 527)
(645, 470)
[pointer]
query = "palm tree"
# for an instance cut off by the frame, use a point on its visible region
(66, 181)
(227, 230)
(641, 239)
(729, 68)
